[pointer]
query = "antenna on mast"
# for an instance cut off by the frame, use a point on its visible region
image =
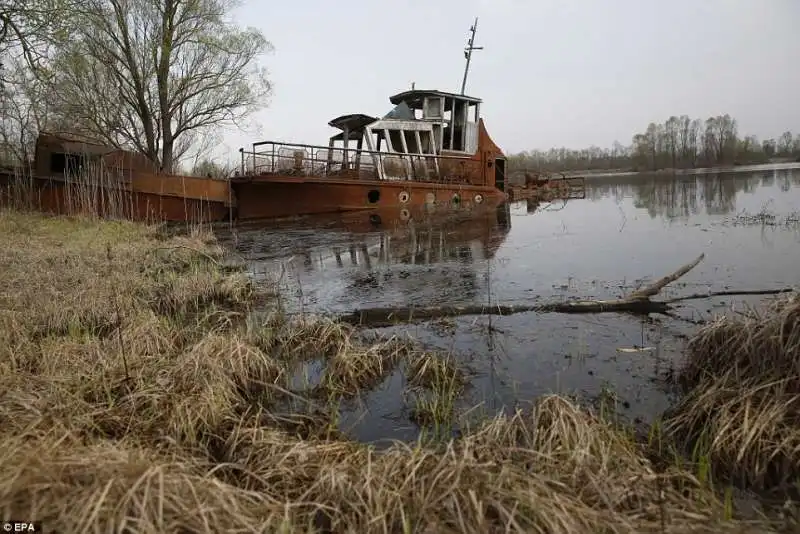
(468, 52)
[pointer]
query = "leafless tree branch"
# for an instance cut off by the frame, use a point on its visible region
(156, 74)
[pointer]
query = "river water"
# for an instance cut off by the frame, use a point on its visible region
(628, 231)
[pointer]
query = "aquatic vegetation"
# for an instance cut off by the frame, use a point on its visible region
(765, 217)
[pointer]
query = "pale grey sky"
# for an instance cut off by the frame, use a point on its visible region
(553, 73)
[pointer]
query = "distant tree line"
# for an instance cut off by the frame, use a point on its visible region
(678, 143)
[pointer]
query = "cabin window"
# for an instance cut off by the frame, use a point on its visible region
(373, 196)
(433, 108)
(377, 143)
(376, 140)
(396, 140)
(458, 126)
(64, 163)
(460, 131)
(471, 128)
(447, 134)
(411, 142)
(399, 148)
(439, 136)
(426, 141)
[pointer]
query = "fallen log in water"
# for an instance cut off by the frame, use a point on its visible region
(637, 302)
(378, 317)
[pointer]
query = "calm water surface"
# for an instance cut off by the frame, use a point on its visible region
(628, 231)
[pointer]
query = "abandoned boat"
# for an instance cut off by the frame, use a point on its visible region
(431, 149)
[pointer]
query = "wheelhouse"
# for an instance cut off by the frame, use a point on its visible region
(409, 141)
(454, 118)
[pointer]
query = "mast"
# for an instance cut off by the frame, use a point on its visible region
(468, 52)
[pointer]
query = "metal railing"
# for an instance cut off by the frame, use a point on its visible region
(293, 159)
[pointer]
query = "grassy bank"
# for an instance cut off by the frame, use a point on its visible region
(140, 394)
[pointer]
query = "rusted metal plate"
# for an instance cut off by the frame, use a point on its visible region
(64, 198)
(282, 198)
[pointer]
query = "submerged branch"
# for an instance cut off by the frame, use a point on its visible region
(655, 288)
(741, 293)
(637, 302)
(377, 317)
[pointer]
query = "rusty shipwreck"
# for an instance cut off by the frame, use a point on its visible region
(432, 148)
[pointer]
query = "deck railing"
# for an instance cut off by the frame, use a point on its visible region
(293, 159)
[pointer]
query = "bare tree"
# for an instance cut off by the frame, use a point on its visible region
(154, 74)
(28, 29)
(652, 139)
(769, 147)
(23, 113)
(785, 143)
(721, 134)
(671, 135)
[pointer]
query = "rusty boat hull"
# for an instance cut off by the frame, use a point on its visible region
(281, 196)
(152, 198)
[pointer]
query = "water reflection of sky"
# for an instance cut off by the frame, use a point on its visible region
(628, 229)
(634, 230)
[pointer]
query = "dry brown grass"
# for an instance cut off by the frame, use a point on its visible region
(554, 470)
(137, 394)
(742, 410)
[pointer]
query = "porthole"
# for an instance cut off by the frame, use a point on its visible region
(375, 219)
(373, 196)
(405, 214)
(403, 197)
(478, 199)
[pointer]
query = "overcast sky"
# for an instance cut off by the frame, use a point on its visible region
(553, 73)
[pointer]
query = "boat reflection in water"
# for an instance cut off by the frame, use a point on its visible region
(463, 236)
(353, 261)
(424, 238)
